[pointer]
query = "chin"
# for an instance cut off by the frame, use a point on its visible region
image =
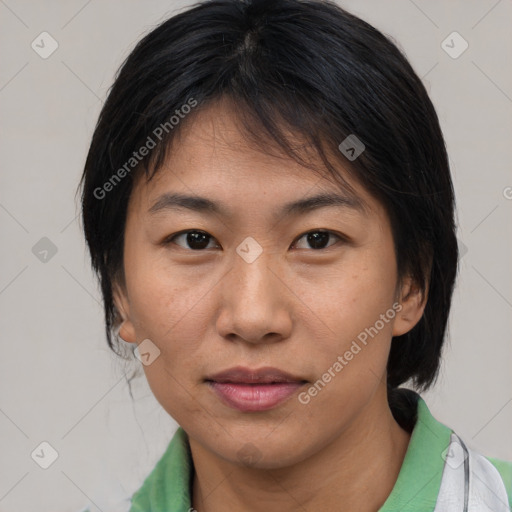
(262, 453)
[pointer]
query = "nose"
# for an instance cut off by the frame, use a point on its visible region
(255, 302)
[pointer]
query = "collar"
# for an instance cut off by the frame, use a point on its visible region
(419, 479)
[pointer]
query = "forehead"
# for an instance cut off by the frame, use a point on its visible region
(211, 156)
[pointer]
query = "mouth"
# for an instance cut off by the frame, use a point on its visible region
(254, 390)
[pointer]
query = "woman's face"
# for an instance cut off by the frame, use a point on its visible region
(253, 291)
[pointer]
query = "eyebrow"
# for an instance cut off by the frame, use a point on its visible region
(178, 201)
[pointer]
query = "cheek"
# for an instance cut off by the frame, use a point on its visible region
(168, 304)
(350, 360)
(172, 309)
(174, 392)
(351, 296)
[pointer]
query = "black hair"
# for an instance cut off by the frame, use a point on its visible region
(295, 70)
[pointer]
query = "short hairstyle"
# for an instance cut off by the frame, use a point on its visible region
(296, 70)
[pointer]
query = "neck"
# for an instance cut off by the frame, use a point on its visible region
(370, 449)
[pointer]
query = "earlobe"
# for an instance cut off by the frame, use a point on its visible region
(126, 329)
(413, 303)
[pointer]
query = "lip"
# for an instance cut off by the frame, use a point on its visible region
(254, 390)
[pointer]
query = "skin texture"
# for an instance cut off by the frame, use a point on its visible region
(295, 308)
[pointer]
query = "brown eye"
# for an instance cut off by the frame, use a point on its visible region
(194, 239)
(318, 239)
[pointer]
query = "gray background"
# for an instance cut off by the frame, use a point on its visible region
(58, 380)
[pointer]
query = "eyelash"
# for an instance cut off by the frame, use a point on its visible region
(168, 240)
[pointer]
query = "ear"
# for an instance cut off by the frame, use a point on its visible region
(413, 304)
(126, 328)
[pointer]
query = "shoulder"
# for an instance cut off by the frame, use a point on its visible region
(505, 470)
(478, 479)
(489, 478)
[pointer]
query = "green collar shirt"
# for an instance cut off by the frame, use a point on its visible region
(168, 487)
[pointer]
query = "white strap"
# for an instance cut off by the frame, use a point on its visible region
(470, 482)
